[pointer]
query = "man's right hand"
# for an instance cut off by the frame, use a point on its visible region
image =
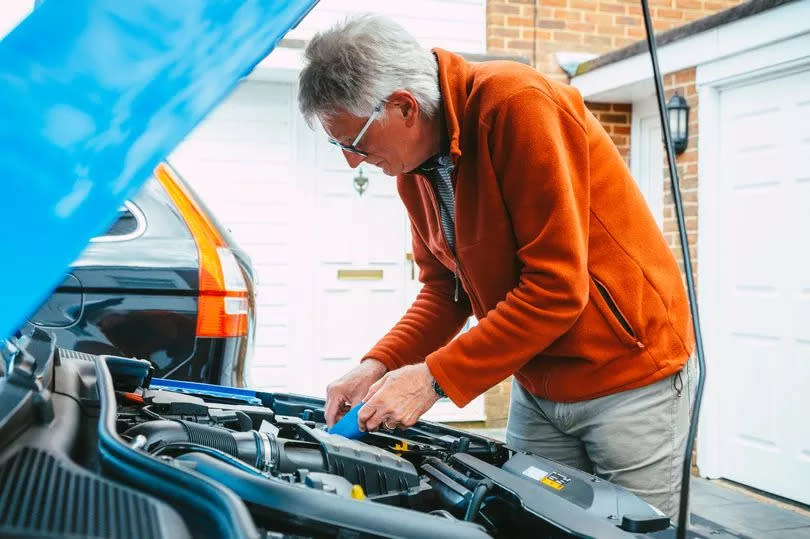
(350, 388)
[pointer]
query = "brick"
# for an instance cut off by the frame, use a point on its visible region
(519, 21)
(545, 23)
(582, 27)
(633, 21)
(622, 107)
(614, 118)
(620, 140)
(568, 37)
(621, 129)
(503, 9)
(495, 20)
(568, 15)
(636, 32)
(496, 43)
(688, 4)
(599, 18)
(587, 5)
(604, 43)
(512, 33)
(620, 42)
(634, 10)
(610, 29)
(611, 8)
(554, 3)
(661, 3)
(686, 76)
(546, 12)
(597, 106)
(662, 12)
(520, 44)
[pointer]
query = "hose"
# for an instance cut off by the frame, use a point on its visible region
(475, 501)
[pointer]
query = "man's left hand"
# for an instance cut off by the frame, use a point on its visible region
(398, 399)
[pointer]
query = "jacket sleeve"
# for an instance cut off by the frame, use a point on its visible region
(432, 320)
(539, 152)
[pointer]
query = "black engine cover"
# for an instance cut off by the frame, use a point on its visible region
(379, 472)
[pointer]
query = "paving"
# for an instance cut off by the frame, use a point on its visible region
(720, 509)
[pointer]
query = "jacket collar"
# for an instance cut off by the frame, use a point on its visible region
(453, 74)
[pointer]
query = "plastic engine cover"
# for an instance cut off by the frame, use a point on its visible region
(379, 472)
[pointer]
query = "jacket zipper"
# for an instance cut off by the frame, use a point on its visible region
(457, 274)
(617, 313)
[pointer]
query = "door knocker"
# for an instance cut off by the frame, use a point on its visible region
(360, 182)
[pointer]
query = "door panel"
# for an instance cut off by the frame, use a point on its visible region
(763, 362)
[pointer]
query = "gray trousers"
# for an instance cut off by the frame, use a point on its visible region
(635, 438)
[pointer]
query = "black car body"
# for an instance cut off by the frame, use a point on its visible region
(135, 291)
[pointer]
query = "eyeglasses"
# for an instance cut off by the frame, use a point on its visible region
(352, 148)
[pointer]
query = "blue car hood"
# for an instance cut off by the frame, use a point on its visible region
(94, 95)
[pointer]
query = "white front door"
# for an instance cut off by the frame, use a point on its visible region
(358, 257)
(647, 155)
(363, 277)
(759, 365)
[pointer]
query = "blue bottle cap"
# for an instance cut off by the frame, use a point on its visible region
(348, 426)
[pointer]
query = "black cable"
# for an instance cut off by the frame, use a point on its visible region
(683, 516)
(149, 413)
(82, 407)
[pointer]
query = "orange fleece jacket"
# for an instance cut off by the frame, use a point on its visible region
(576, 291)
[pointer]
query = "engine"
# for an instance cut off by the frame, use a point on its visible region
(160, 458)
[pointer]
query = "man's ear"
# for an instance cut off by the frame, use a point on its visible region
(405, 104)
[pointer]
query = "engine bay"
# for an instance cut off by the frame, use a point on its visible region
(209, 461)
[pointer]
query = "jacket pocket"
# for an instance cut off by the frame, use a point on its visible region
(617, 321)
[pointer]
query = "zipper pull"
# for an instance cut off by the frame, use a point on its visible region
(455, 295)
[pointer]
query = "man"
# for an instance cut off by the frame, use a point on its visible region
(524, 214)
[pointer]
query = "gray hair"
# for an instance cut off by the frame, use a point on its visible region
(356, 64)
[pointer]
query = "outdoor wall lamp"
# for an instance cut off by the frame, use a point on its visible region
(678, 111)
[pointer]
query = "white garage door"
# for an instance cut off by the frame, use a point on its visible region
(760, 369)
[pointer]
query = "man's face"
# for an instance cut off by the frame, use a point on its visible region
(391, 143)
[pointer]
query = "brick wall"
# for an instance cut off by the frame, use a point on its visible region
(615, 118)
(683, 82)
(536, 29)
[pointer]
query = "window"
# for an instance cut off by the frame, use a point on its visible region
(129, 224)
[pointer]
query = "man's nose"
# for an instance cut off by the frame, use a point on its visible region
(353, 159)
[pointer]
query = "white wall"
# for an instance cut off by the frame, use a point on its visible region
(12, 12)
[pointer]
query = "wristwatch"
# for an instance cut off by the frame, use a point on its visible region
(438, 389)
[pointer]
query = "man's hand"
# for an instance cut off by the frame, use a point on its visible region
(398, 399)
(350, 388)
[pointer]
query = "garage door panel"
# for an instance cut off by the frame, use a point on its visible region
(754, 245)
(763, 264)
(272, 295)
(758, 312)
(270, 377)
(755, 421)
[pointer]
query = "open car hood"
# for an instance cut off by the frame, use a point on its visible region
(94, 95)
